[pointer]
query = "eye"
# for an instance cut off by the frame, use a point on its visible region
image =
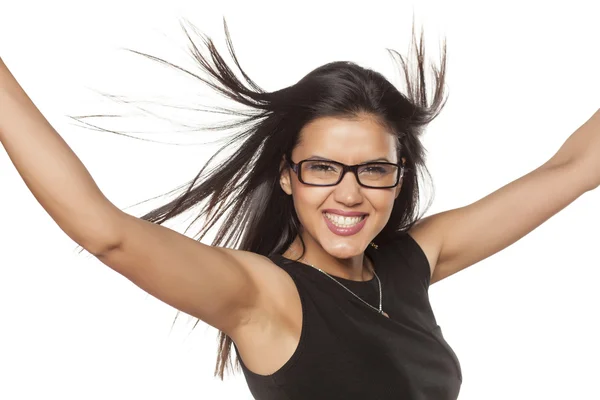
(321, 167)
(375, 170)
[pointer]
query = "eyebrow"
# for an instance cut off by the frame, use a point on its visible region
(314, 156)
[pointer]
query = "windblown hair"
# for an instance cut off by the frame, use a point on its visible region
(243, 192)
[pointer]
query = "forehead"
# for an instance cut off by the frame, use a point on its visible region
(350, 141)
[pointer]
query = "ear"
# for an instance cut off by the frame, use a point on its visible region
(399, 187)
(285, 180)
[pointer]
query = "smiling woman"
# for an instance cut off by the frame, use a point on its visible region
(325, 199)
(320, 269)
(334, 160)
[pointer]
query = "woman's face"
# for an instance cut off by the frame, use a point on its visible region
(318, 208)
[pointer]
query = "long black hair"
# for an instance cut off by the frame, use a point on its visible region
(242, 196)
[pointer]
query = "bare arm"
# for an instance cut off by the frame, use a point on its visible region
(213, 284)
(456, 239)
(51, 171)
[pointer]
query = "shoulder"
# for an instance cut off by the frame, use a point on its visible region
(418, 248)
(277, 298)
(426, 239)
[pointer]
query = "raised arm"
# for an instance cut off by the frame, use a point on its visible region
(219, 286)
(456, 239)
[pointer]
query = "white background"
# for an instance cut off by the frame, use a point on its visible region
(522, 76)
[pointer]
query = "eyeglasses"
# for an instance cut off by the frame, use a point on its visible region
(377, 175)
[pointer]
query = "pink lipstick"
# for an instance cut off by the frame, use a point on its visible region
(342, 230)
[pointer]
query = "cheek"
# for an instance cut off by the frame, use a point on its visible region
(380, 199)
(308, 200)
(382, 204)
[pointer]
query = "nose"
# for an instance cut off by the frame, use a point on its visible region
(348, 191)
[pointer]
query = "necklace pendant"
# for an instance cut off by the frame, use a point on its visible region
(384, 313)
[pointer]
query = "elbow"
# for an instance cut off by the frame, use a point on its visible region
(101, 250)
(105, 235)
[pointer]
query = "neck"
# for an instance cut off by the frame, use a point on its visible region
(356, 268)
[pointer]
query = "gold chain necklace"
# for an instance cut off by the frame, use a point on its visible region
(380, 310)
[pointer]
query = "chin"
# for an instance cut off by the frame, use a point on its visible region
(344, 250)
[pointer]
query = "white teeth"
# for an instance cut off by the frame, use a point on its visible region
(343, 222)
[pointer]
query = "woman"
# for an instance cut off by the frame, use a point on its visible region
(319, 273)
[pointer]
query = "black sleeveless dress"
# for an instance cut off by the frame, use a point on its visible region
(349, 351)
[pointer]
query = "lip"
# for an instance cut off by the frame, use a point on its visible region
(345, 213)
(346, 231)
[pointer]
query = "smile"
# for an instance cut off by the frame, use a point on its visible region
(344, 226)
(343, 222)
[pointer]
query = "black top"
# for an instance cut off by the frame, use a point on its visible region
(349, 351)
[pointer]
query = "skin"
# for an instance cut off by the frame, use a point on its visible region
(350, 142)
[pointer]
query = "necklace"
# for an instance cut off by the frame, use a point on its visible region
(380, 310)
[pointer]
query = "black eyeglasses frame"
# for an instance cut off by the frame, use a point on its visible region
(297, 168)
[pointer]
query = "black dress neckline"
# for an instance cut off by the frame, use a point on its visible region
(369, 252)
